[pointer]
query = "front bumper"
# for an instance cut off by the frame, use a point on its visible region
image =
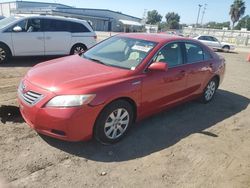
(71, 124)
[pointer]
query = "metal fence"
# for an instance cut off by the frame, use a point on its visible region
(239, 38)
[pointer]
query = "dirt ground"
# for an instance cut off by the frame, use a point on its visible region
(192, 145)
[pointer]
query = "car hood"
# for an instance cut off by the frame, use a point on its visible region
(72, 72)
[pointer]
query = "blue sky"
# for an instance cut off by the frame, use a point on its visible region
(217, 10)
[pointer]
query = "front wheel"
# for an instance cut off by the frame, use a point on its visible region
(4, 54)
(210, 90)
(114, 122)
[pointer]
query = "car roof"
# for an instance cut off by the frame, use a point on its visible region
(154, 37)
(51, 17)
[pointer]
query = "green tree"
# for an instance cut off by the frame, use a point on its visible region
(216, 25)
(244, 23)
(153, 17)
(172, 20)
(237, 10)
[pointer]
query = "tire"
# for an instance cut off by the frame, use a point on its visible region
(226, 48)
(4, 54)
(209, 91)
(110, 127)
(78, 49)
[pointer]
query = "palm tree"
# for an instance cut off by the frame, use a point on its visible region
(237, 10)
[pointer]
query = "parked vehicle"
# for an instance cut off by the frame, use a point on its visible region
(117, 82)
(44, 35)
(215, 44)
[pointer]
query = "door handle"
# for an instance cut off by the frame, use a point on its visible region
(40, 38)
(48, 38)
(182, 73)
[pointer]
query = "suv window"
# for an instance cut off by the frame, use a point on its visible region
(170, 54)
(195, 53)
(33, 25)
(22, 24)
(28, 25)
(56, 25)
(64, 26)
(78, 28)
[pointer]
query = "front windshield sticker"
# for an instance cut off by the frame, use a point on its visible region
(142, 48)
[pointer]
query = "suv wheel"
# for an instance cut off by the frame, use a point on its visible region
(4, 54)
(78, 49)
(114, 122)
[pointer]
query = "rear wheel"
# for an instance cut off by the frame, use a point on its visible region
(4, 54)
(226, 48)
(78, 49)
(114, 122)
(210, 90)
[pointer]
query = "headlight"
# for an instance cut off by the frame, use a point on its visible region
(70, 100)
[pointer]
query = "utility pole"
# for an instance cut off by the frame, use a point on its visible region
(198, 15)
(203, 12)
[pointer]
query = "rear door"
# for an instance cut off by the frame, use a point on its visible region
(198, 67)
(57, 36)
(215, 42)
(29, 41)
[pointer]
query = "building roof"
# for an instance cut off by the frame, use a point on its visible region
(66, 7)
(37, 2)
(92, 9)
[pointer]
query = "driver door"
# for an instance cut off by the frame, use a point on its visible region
(161, 89)
(30, 40)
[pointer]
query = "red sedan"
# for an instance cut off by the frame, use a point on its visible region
(117, 82)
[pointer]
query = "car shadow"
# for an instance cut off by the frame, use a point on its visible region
(27, 61)
(230, 52)
(160, 131)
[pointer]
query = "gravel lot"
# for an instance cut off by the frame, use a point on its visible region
(192, 145)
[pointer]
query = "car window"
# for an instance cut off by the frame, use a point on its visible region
(78, 28)
(195, 53)
(33, 25)
(56, 25)
(202, 38)
(214, 39)
(170, 54)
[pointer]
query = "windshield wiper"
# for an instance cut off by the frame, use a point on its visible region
(95, 60)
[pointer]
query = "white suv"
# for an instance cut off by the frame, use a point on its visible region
(44, 35)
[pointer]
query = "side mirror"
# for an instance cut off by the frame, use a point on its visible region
(158, 66)
(17, 29)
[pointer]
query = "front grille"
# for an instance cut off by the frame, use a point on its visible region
(31, 97)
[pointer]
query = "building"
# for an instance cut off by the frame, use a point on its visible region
(101, 19)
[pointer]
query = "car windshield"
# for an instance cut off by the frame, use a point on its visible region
(6, 21)
(121, 52)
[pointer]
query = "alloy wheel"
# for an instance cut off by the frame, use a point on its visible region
(210, 90)
(2, 54)
(79, 50)
(116, 123)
